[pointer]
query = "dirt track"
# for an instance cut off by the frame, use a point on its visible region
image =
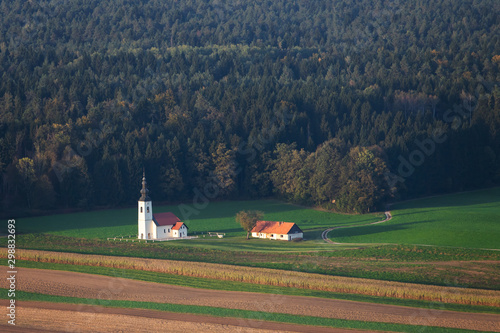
(106, 288)
(324, 234)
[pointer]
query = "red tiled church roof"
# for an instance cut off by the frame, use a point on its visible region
(168, 218)
(273, 227)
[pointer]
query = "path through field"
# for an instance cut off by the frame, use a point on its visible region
(324, 235)
(115, 288)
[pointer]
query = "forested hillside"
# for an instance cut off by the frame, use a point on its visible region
(347, 104)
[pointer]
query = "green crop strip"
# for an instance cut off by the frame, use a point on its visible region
(235, 313)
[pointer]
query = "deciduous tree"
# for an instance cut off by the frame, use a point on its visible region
(248, 219)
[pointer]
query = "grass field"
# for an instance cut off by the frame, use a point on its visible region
(458, 227)
(453, 258)
(470, 219)
(416, 264)
(216, 217)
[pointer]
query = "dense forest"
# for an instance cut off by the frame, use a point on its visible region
(345, 104)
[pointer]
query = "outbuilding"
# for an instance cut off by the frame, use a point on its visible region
(286, 231)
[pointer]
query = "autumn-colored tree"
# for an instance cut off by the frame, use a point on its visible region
(365, 187)
(290, 172)
(248, 219)
(222, 103)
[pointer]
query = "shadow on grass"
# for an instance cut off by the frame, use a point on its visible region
(371, 229)
(396, 213)
(313, 234)
(472, 198)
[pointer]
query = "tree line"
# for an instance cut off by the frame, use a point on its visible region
(348, 105)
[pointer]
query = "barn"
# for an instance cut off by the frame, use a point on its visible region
(286, 231)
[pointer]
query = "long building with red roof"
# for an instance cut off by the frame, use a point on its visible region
(277, 230)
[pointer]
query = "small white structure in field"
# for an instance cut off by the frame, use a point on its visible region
(156, 226)
(277, 230)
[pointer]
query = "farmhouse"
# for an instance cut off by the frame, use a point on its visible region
(157, 226)
(277, 230)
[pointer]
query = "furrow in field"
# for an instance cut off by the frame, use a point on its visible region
(55, 317)
(273, 277)
(103, 287)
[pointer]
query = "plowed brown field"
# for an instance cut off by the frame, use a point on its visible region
(55, 317)
(106, 288)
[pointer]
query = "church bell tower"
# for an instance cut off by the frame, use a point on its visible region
(145, 211)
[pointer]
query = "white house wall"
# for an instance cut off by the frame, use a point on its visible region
(152, 230)
(149, 230)
(296, 236)
(286, 237)
(145, 220)
(146, 230)
(142, 230)
(163, 231)
(183, 231)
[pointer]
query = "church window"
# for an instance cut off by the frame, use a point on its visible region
(164, 230)
(141, 209)
(148, 209)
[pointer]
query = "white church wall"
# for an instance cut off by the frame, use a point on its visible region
(147, 228)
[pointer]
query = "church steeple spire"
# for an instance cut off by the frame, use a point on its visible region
(144, 190)
(145, 221)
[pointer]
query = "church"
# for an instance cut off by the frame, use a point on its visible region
(157, 226)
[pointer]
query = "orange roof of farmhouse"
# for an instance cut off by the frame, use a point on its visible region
(274, 227)
(178, 226)
(162, 219)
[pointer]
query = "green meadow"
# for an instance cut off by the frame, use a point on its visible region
(470, 219)
(458, 227)
(215, 217)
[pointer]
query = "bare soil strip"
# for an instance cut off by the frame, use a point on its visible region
(115, 288)
(87, 318)
(7, 328)
(324, 234)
